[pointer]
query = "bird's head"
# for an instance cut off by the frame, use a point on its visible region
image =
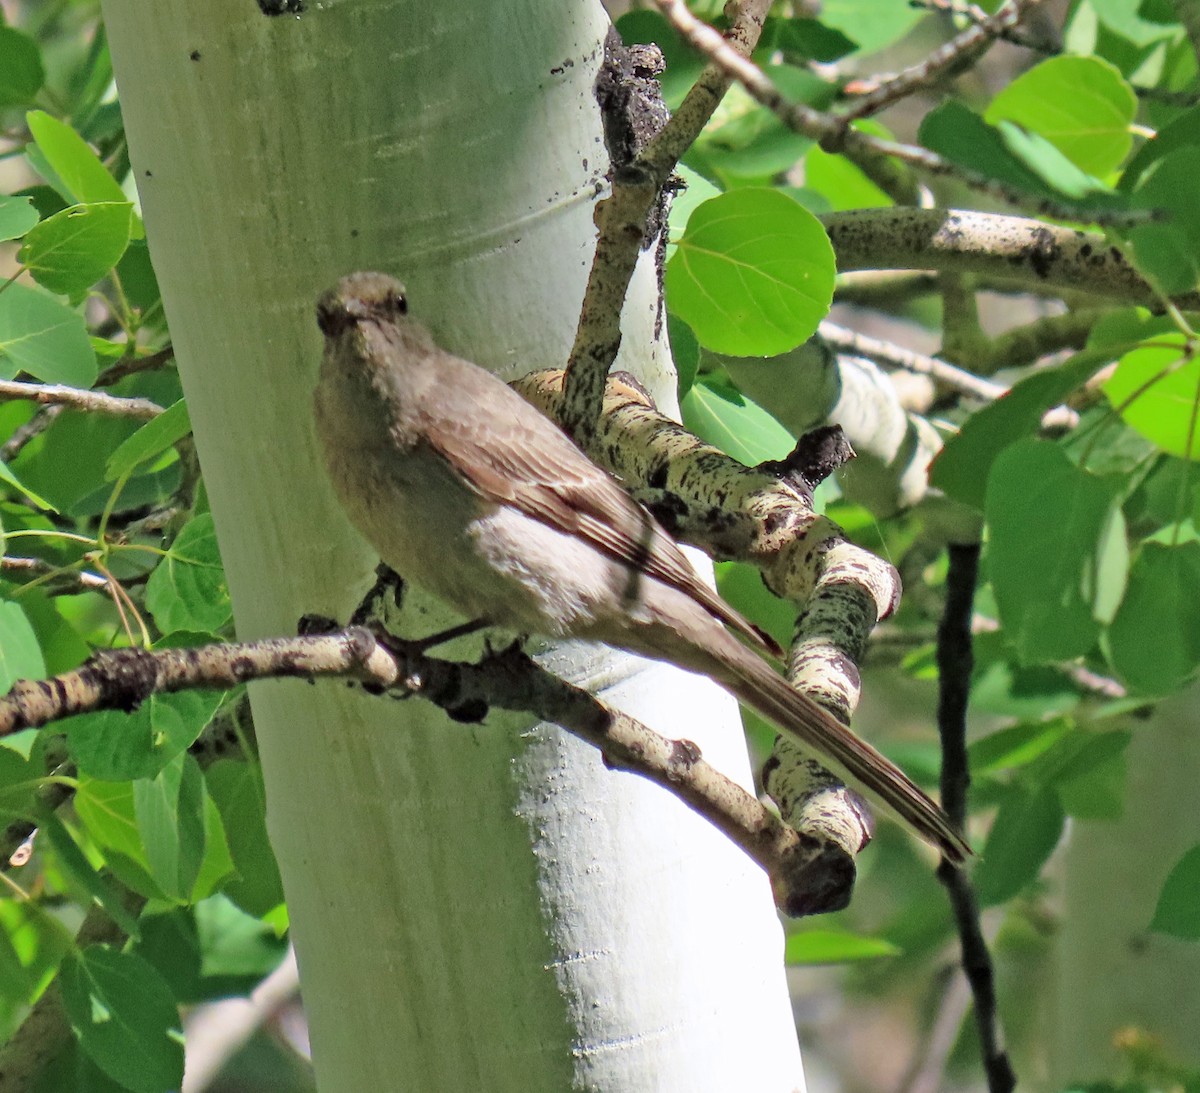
(358, 297)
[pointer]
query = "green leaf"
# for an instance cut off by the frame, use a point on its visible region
(20, 654)
(1166, 185)
(6, 475)
(835, 947)
(237, 789)
(753, 273)
(125, 1017)
(961, 468)
(19, 778)
(1010, 155)
(156, 436)
(42, 336)
(1050, 528)
(1026, 830)
(107, 813)
(187, 590)
(685, 351)
(1015, 747)
(1164, 387)
(170, 818)
(82, 874)
(755, 144)
(17, 215)
(1154, 641)
(76, 166)
(734, 424)
(870, 24)
(115, 746)
(21, 71)
(73, 249)
(1165, 256)
(1081, 105)
(1178, 910)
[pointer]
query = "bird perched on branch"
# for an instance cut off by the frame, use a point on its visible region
(468, 490)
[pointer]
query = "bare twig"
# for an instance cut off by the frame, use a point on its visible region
(77, 398)
(957, 51)
(131, 365)
(35, 426)
(92, 582)
(835, 136)
(949, 375)
(955, 659)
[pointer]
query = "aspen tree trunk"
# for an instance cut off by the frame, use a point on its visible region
(481, 907)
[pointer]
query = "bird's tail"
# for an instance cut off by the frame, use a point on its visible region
(761, 688)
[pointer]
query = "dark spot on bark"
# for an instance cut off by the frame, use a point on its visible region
(353, 233)
(194, 55)
(149, 174)
(774, 522)
(371, 688)
(242, 667)
(281, 7)
(657, 478)
(1086, 250)
(685, 753)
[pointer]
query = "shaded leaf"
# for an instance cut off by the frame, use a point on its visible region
(1081, 105)
(21, 70)
(1154, 640)
(1178, 910)
(156, 436)
(125, 1017)
(1050, 550)
(20, 654)
(42, 336)
(187, 590)
(17, 214)
(1026, 830)
(734, 424)
(73, 249)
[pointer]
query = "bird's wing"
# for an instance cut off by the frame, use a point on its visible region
(534, 466)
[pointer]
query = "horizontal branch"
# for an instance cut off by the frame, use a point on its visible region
(122, 679)
(991, 245)
(76, 398)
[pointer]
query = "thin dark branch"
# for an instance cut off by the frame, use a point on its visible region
(955, 659)
(836, 136)
(131, 365)
(964, 48)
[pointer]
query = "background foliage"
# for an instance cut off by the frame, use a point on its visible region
(1085, 615)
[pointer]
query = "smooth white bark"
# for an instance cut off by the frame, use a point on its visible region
(478, 907)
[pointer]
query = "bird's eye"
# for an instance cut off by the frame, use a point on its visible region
(330, 318)
(399, 303)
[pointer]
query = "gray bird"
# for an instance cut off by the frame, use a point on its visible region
(468, 490)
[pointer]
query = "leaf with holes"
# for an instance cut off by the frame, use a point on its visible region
(125, 1016)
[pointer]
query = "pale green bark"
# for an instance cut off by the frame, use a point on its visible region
(473, 908)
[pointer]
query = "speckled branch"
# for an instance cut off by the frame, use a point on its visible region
(712, 501)
(621, 220)
(987, 244)
(122, 679)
